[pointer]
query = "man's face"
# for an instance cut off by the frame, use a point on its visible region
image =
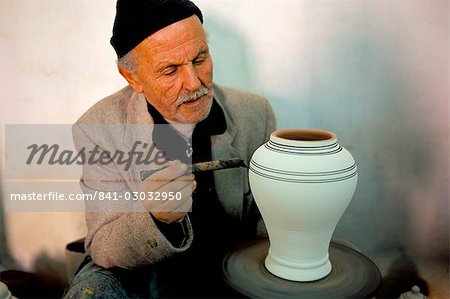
(173, 66)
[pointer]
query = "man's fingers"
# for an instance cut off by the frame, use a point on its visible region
(172, 172)
(171, 200)
(181, 203)
(178, 184)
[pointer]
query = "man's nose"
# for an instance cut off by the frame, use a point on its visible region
(191, 79)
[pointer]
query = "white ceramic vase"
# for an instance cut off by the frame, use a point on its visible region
(302, 181)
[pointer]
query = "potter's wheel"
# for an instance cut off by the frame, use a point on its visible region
(353, 275)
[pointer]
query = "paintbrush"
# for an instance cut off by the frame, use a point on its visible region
(203, 166)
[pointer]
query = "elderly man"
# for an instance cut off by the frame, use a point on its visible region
(168, 250)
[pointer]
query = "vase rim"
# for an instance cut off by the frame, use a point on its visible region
(315, 136)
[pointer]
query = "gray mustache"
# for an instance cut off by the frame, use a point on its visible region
(192, 95)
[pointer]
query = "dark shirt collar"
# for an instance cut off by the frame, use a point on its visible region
(166, 138)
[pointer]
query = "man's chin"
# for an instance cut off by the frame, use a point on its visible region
(195, 112)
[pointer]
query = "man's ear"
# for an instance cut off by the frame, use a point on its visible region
(131, 79)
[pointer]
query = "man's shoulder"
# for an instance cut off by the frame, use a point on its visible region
(232, 95)
(241, 104)
(109, 110)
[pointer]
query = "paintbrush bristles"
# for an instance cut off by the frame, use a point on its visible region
(218, 164)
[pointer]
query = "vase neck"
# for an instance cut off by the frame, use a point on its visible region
(304, 141)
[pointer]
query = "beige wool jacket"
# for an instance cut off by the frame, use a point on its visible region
(129, 239)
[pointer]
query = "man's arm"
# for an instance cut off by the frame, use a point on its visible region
(127, 236)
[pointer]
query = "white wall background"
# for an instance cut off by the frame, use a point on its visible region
(374, 72)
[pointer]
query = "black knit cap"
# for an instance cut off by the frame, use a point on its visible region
(138, 19)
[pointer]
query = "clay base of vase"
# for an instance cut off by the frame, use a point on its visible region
(297, 272)
(353, 275)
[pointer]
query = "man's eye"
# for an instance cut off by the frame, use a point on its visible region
(199, 60)
(170, 72)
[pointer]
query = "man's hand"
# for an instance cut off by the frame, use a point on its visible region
(171, 179)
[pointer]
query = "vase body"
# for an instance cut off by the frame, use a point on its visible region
(302, 181)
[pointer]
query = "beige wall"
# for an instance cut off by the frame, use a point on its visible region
(374, 72)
